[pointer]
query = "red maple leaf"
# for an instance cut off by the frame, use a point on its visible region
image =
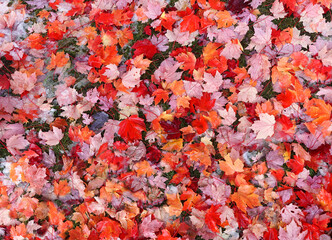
(4, 82)
(212, 218)
(190, 23)
(131, 128)
(203, 104)
(144, 47)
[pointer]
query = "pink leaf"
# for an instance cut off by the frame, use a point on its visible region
(229, 116)
(278, 10)
(291, 213)
(247, 94)
(212, 83)
(265, 126)
(167, 70)
(148, 228)
(16, 142)
(52, 138)
(293, 231)
(132, 77)
(111, 72)
(21, 82)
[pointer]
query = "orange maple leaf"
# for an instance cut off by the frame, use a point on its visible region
(144, 168)
(55, 217)
(160, 94)
(214, 119)
(60, 59)
(325, 200)
(141, 63)
(61, 188)
(36, 41)
(224, 19)
(191, 199)
(188, 61)
(318, 110)
(183, 102)
(124, 36)
(210, 51)
(174, 205)
(177, 87)
(245, 197)
(230, 167)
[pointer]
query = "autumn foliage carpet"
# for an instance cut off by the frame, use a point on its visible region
(163, 119)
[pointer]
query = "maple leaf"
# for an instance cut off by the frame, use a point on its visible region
(171, 128)
(188, 61)
(61, 188)
(290, 213)
(36, 41)
(168, 70)
(149, 227)
(325, 199)
(144, 168)
(212, 83)
(55, 217)
(318, 110)
(21, 82)
(53, 137)
(247, 94)
(224, 19)
(4, 82)
(265, 126)
(212, 218)
(27, 206)
(131, 128)
(60, 59)
(293, 231)
(141, 63)
(210, 52)
(278, 10)
(145, 47)
(160, 94)
(191, 199)
(200, 124)
(59, 123)
(174, 205)
(16, 142)
(173, 145)
(190, 23)
(229, 116)
(230, 167)
(108, 228)
(245, 197)
(177, 87)
(131, 78)
(205, 103)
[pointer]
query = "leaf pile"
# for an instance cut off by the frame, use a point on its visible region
(158, 119)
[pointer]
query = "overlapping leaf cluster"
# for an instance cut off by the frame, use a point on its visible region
(162, 119)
